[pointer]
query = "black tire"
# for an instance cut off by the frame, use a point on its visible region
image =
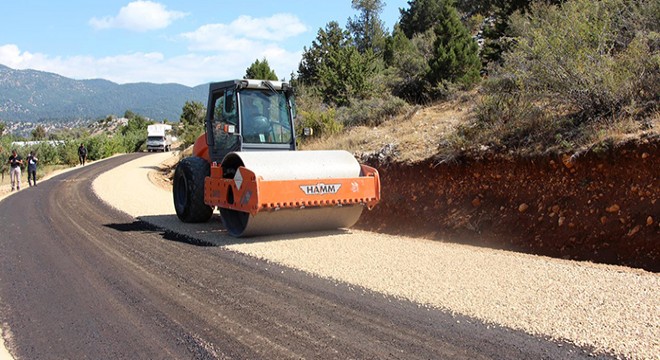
(188, 190)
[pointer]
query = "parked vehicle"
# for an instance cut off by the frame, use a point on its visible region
(159, 138)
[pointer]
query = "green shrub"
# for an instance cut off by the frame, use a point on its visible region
(322, 122)
(68, 152)
(596, 57)
(99, 147)
(135, 141)
(47, 154)
(576, 68)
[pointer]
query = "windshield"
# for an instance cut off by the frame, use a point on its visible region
(155, 138)
(265, 117)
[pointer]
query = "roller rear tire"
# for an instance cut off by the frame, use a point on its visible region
(188, 190)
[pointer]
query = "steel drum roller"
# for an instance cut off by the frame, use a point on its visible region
(293, 165)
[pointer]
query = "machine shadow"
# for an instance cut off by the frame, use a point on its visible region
(139, 226)
(211, 233)
(152, 167)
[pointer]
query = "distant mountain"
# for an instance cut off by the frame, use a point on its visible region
(38, 97)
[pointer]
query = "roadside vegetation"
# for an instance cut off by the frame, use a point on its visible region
(528, 77)
(578, 74)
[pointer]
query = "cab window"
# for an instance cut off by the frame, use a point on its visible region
(265, 117)
(225, 120)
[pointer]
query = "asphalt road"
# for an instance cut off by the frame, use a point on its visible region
(79, 280)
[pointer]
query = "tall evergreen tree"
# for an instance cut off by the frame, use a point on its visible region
(193, 113)
(408, 62)
(396, 44)
(456, 53)
(420, 16)
(346, 75)
(329, 41)
(336, 69)
(497, 33)
(260, 70)
(367, 28)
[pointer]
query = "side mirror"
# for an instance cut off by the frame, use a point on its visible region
(308, 131)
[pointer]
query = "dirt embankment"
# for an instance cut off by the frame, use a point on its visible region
(599, 206)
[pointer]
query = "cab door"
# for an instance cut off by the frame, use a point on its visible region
(224, 124)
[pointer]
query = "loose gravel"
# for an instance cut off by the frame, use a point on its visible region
(611, 309)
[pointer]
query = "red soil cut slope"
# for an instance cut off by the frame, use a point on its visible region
(601, 207)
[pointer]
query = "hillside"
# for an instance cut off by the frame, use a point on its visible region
(36, 96)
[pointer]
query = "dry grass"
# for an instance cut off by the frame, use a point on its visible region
(439, 131)
(627, 128)
(413, 137)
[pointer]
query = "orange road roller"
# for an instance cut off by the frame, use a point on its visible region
(246, 166)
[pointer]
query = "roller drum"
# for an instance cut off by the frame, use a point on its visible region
(293, 165)
(242, 224)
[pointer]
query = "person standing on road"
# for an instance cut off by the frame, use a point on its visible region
(15, 162)
(32, 168)
(82, 154)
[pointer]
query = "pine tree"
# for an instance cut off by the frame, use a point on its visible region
(420, 16)
(367, 28)
(346, 75)
(456, 54)
(260, 70)
(328, 42)
(408, 62)
(39, 133)
(192, 119)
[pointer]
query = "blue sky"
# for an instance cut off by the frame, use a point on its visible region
(164, 41)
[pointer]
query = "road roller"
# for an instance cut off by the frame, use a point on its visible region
(246, 165)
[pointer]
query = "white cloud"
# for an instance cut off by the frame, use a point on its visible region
(214, 52)
(10, 55)
(189, 69)
(244, 32)
(277, 27)
(217, 37)
(139, 15)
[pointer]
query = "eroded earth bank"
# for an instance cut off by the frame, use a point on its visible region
(601, 205)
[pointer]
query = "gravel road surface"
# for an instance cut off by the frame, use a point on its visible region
(609, 309)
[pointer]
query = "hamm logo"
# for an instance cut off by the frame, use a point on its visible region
(320, 189)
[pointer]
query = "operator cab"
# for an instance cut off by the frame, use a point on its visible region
(245, 115)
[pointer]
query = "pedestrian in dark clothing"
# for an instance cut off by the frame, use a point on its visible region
(32, 168)
(82, 154)
(15, 162)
